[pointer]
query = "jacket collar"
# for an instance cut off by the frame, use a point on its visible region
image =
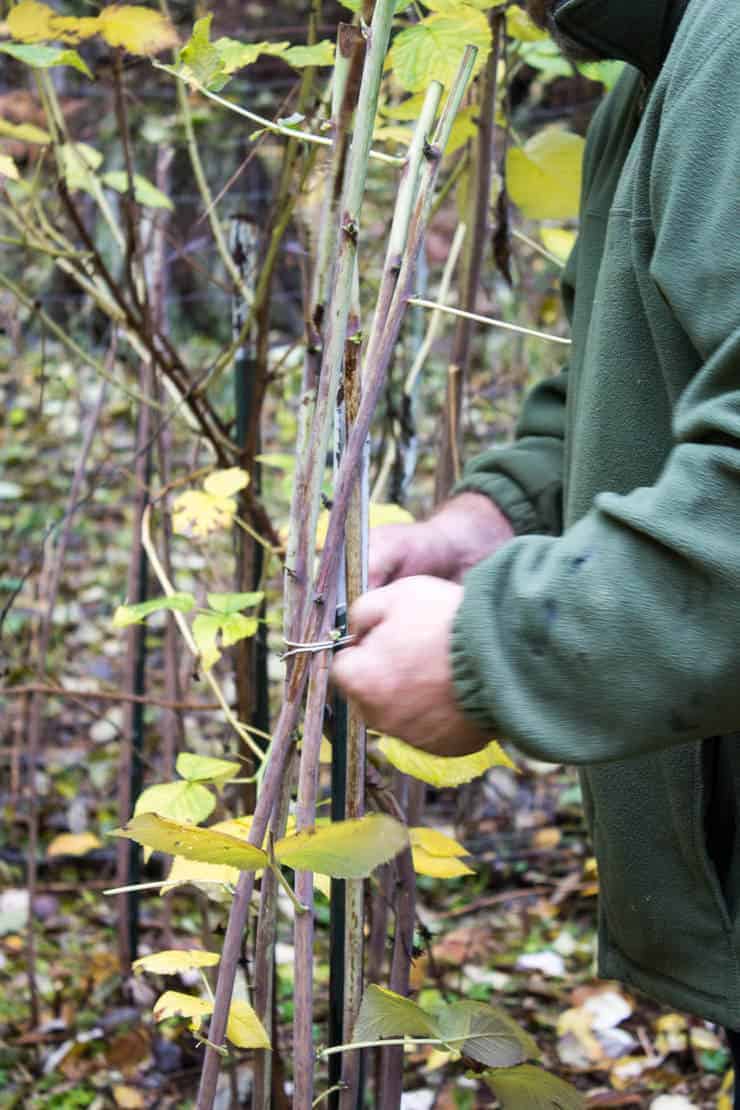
(636, 31)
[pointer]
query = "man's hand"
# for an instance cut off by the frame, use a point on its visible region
(399, 672)
(464, 531)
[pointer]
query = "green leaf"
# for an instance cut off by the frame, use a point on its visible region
(440, 770)
(544, 176)
(384, 1013)
(144, 192)
(44, 57)
(344, 849)
(244, 1028)
(431, 50)
(530, 1088)
(23, 132)
(201, 60)
(545, 57)
(202, 845)
(608, 73)
(236, 627)
(78, 162)
(320, 54)
(236, 55)
(206, 627)
(180, 801)
(204, 768)
(135, 614)
(234, 603)
(491, 1036)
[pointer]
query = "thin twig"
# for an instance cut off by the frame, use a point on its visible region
(488, 320)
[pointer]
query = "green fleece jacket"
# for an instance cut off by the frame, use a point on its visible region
(607, 634)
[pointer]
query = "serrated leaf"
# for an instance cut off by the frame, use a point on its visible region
(530, 1088)
(135, 614)
(206, 627)
(236, 627)
(431, 49)
(234, 603)
(8, 168)
(196, 513)
(44, 57)
(73, 844)
(78, 163)
(544, 176)
(204, 768)
(225, 483)
(558, 241)
(174, 960)
(438, 867)
(23, 132)
(201, 60)
(144, 192)
(344, 849)
(440, 770)
(136, 29)
(203, 845)
(491, 1037)
(176, 1004)
(244, 1028)
(383, 1013)
(236, 55)
(320, 54)
(180, 801)
(215, 880)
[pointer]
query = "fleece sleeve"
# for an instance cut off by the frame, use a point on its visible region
(621, 636)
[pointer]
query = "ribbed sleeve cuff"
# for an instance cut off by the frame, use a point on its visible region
(507, 496)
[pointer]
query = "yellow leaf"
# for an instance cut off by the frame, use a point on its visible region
(204, 845)
(73, 844)
(520, 26)
(67, 28)
(128, 1098)
(8, 168)
(196, 513)
(724, 1102)
(225, 483)
(176, 1004)
(23, 132)
(244, 1028)
(174, 960)
(215, 880)
(558, 241)
(544, 176)
(344, 849)
(378, 514)
(138, 30)
(436, 843)
(440, 770)
(438, 867)
(30, 21)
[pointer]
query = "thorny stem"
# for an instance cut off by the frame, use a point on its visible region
(385, 334)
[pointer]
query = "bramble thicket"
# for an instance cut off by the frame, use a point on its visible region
(270, 272)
